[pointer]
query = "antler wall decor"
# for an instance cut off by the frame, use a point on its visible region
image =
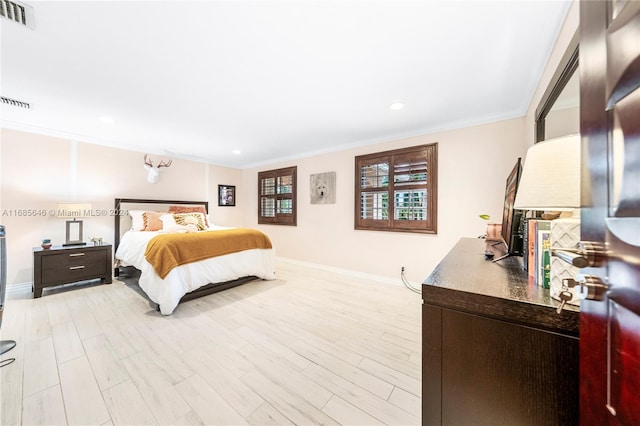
(154, 171)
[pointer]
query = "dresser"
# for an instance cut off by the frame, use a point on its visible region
(494, 349)
(68, 264)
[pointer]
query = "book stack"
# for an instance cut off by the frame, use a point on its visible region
(539, 252)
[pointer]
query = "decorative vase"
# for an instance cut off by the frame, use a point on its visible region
(46, 244)
(494, 231)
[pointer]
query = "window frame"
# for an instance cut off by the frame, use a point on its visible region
(428, 226)
(278, 218)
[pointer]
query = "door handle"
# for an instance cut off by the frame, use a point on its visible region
(571, 256)
(590, 287)
(587, 254)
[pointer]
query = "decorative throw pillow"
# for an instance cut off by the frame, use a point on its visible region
(185, 219)
(152, 221)
(191, 209)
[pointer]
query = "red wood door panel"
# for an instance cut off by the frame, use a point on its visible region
(610, 129)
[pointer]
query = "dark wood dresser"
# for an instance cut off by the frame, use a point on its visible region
(494, 349)
(67, 264)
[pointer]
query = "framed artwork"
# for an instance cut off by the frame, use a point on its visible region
(227, 195)
(323, 188)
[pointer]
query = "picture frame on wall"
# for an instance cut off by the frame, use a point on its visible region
(227, 195)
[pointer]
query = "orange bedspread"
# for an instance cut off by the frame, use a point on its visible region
(165, 252)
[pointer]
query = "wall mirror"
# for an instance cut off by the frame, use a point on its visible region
(558, 113)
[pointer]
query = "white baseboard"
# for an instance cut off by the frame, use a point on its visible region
(348, 272)
(19, 290)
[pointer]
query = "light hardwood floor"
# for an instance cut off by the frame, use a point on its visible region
(312, 347)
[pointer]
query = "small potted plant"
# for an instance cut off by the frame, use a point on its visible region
(493, 232)
(46, 244)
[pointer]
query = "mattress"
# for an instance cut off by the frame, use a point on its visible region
(183, 279)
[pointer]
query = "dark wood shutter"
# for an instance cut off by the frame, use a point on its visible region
(397, 190)
(277, 196)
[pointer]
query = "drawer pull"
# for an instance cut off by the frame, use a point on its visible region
(76, 254)
(75, 267)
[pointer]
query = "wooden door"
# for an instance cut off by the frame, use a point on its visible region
(610, 128)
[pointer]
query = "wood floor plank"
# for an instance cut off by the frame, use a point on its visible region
(57, 310)
(286, 376)
(270, 345)
(66, 341)
(37, 325)
(298, 410)
(392, 376)
(44, 408)
(405, 400)
(107, 367)
(126, 406)
(352, 373)
(348, 414)
(267, 415)
(207, 403)
(244, 400)
(165, 355)
(40, 369)
(156, 388)
(82, 397)
(373, 405)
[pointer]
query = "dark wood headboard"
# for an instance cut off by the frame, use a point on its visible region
(120, 210)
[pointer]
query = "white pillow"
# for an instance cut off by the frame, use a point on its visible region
(137, 221)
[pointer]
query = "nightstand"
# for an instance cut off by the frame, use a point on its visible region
(67, 264)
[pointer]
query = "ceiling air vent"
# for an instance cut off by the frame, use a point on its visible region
(17, 12)
(15, 103)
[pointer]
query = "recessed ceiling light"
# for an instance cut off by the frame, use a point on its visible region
(236, 151)
(396, 106)
(107, 120)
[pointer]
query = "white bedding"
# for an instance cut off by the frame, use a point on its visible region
(167, 292)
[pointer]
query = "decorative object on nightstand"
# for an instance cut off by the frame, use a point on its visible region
(46, 244)
(74, 227)
(551, 183)
(68, 264)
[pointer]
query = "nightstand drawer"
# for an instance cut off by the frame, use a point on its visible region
(63, 260)
(73, 272)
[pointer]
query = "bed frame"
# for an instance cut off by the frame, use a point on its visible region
(121, 210)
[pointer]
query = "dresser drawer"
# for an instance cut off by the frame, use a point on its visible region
(64, 260)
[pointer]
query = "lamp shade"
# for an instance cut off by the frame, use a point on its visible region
(73, 210)
(551, 176)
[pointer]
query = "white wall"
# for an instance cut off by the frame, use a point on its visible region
(37, 172)
(473, 164)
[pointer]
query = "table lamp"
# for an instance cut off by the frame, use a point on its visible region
(73, 234)
(551, 176)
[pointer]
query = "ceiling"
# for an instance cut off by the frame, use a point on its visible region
(270, 80)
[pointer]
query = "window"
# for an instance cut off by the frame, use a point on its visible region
(277, 196)
(397, 190)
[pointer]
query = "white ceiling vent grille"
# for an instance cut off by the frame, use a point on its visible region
(15, 103)
(17, 12)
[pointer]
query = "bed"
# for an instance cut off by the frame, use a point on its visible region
(178, 263)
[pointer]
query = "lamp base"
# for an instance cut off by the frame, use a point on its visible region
(6, 345)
